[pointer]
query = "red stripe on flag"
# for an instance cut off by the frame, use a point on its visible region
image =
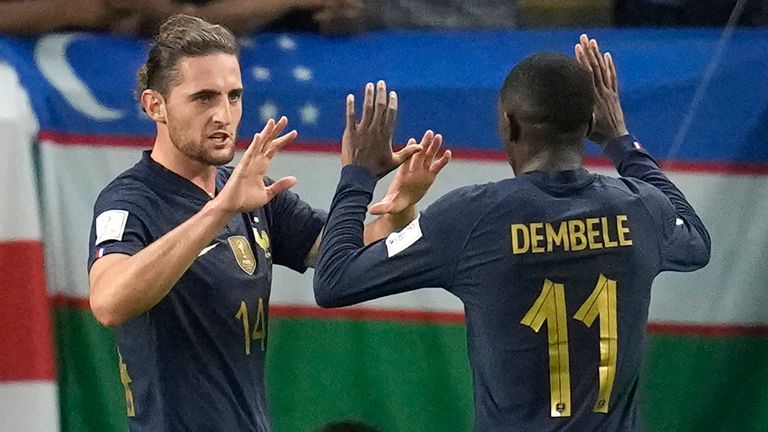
(709, 330)
(26, 343)
(441, 317)
(136, 141)
(367, 314)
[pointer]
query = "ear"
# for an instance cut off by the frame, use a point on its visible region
(511, 127)
(154, 105)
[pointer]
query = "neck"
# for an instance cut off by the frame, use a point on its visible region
(199, 173)
(547, 158)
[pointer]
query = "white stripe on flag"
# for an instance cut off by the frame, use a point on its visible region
(18, 130)
(29, 406)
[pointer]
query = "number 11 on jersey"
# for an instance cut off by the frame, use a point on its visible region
(550, 307)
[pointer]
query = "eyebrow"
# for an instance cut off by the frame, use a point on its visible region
(211, 93)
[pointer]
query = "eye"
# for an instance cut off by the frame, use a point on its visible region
(204, 99)
(234, 97)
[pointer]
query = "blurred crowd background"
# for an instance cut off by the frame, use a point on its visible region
(340, 17)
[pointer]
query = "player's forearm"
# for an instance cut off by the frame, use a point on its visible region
(342, 238)
(244, 16)
(380, 228)
(133, 285)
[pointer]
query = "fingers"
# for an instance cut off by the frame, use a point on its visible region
(280, 186)
(406, 152)
(391, 116)
(368, 98)
(261, 137)
(614, 81)
(439, 164)
(601, 62)
(277, 129)
(381, 103)
(581, 57)
(350, 112)
(589, 59)
(416, 159)
(277, 144)
(431, 144)
(381, 207)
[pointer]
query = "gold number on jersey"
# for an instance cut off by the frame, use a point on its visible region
(602, 302)
(550, 307)
(259, 331)
(125, 379)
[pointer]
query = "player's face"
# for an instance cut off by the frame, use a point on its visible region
(204, 108)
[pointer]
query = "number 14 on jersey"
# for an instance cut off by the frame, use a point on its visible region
(550, 307)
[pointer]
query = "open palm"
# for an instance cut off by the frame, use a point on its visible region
(245, 190)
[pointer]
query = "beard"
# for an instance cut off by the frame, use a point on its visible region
(195, 149)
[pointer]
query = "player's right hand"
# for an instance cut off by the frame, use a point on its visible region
(245, 190)
(609, 117)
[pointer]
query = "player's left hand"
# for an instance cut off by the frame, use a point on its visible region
(608, 115)
(368, 143)
(414, 177)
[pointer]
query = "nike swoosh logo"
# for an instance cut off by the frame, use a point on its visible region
(206, 250)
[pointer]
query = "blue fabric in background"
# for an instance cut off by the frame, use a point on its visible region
(447, 81)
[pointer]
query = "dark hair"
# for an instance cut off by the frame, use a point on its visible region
(178, 37)
(348, 426)
(550, 90)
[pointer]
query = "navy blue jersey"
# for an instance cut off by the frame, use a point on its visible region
(195, 361)
(554, 271)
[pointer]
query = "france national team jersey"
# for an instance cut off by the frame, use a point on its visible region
(555, 273)
(195, 361)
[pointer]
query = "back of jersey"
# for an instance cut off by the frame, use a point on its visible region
(556, 278)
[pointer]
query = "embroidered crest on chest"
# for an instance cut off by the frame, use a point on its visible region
(244, 256)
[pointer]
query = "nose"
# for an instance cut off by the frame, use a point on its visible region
(222, 115)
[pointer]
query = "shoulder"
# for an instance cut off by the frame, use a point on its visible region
(128, 191)
(473, 200)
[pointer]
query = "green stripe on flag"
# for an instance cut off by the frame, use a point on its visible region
(706, 384)
(397, 376)
(405, 377)
(90, 392)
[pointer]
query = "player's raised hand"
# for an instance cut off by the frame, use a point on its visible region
(245, 190)
(414, 177)
(609, 117)
(368, 142)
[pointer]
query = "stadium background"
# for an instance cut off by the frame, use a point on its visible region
(68, 124)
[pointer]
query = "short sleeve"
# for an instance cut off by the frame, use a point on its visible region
(118, 226)
(294, 226)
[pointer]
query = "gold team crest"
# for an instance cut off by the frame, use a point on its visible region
(243, 253)
(262, 239)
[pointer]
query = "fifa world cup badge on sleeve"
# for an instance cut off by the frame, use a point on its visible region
(400, 241)
(110, 225)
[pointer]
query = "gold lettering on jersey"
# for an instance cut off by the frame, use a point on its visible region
(623, 231)
(262, 239)
(557, 238)
(571, 235)
(243, 253)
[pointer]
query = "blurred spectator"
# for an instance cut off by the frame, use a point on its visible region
(143, 16)
(247, 16)
(347, 426)
(37, 16)
(443, 14)
(679, 13)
